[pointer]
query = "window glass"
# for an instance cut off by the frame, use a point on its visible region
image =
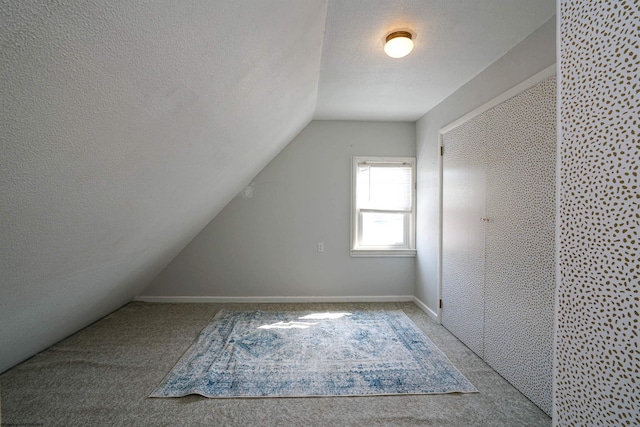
(382, 229)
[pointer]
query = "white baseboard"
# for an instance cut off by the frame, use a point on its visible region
(423, 307)
(301, 299)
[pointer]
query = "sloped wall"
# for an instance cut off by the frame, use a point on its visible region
(264, 243)
(597, 346)
(125, 127)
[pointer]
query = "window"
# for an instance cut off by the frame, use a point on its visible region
(383, 201)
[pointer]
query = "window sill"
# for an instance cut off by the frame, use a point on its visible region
(407, 253)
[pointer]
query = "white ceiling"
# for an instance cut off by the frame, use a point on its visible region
(454, 41)
(127, 126)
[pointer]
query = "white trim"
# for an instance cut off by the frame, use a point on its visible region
(432, 314)
(530, 82)
(440, 223)
(409, 253)
(299, 299)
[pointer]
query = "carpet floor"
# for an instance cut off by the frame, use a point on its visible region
(103, 375)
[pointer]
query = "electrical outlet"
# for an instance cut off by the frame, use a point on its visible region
(320, 247)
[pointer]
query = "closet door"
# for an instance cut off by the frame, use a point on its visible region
(463, 204)
(519, 276)
(498, 237)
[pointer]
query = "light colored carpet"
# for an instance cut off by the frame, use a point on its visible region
(311, 353)
(102, 376)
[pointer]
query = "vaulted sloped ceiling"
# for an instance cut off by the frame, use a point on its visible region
(125, 127)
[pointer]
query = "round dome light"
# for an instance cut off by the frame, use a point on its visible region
(398, 44)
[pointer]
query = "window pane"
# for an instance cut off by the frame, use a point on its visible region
(384, 187)
(382, 229)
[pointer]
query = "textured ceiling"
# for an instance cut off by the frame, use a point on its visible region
(454, 41)
(127, 126)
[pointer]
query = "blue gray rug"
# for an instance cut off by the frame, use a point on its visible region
(297, 354)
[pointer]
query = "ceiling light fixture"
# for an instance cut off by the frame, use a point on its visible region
(398, 44)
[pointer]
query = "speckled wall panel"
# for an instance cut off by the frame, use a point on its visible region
(520, 251)
(597, 359)
(498, 292)
(463, 204)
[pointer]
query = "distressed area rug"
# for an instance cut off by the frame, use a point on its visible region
(300, 354)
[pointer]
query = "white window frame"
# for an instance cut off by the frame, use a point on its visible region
(408, 250)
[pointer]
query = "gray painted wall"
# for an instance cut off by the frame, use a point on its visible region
(264, 242)
(530, 56)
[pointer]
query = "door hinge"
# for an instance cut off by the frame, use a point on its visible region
(442, 150)
(440, 303)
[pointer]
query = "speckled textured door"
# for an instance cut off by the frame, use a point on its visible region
(498, 237)
(463, 249)
(519, 274)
